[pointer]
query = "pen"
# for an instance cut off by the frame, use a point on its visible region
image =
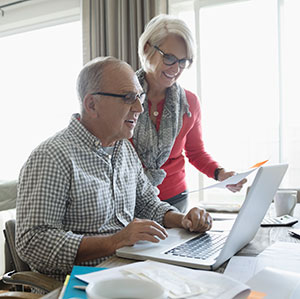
(222, 219)
(80, 287)
(64, 287)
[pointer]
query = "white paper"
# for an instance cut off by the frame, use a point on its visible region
(241, 268)
(276, 283)
(280, 255)
(222, 225)
(208, 284)
(223, 216)
(231, 180)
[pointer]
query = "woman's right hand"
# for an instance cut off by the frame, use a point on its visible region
(223, 175)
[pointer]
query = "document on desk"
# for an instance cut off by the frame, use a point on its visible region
(275, 271)
(179, 282)
(222, 225)
(280, 255)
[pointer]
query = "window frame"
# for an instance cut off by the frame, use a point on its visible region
(37, 14)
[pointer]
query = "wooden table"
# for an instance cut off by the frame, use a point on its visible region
(265, 237)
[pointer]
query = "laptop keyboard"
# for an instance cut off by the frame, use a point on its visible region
(201, 247)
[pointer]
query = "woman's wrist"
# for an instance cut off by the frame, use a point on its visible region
(217, 173)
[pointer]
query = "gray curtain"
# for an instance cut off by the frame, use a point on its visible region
(113, 27)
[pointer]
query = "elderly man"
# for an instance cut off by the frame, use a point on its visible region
(83, 193)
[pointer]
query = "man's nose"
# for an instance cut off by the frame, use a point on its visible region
(138, 106)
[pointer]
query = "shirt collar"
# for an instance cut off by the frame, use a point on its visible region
(77, 128)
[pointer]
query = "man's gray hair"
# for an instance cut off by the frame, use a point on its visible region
(91, 76)
(157, 30)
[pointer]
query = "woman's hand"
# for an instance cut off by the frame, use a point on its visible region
(223, 175)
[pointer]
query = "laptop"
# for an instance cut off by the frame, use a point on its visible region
(210, 250)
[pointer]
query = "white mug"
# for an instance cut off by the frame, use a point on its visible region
(123, 287)
(285, 202)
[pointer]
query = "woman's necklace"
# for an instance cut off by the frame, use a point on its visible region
(154, 108)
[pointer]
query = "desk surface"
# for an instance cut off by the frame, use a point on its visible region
(265, 237)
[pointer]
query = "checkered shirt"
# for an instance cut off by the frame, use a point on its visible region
(70, 188)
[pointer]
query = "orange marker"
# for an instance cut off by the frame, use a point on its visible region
(259, 164)
(256, 295)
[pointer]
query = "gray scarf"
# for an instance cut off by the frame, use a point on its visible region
(154, 147)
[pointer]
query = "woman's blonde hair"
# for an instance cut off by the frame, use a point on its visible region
(157, 30)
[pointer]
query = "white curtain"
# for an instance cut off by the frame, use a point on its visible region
(113, 27)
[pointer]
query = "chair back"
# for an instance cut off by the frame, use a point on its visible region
(10, 236)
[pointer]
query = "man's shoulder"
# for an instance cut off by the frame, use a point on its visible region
(56, 147)
(127, 146)
(129, 150)
(55, 142)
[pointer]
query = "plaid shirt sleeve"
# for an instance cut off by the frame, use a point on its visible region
(148, 204)
(41, 206)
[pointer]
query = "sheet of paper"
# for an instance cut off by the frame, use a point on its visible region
(222, 225)
(191, 283)
(223, 216)
(241, 268)
(231, 180)
(280, 255)
(276, 283)
(236, 178)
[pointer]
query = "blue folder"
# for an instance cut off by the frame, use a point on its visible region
(73, 281)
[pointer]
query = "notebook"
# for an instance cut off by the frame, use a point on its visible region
(69, 291)
(252, 212)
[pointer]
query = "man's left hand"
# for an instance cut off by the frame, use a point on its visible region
(197, 220)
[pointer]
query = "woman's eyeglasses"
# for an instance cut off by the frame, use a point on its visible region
(169, 59)
(129, 98)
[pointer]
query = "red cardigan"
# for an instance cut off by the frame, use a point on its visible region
(189, 140)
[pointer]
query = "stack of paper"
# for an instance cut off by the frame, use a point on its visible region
(179, 282)
(277, 284)
(276, 271)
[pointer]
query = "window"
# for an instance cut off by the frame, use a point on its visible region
(246, 77)
(38, 83)
(290, 90)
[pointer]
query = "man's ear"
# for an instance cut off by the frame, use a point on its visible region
(89, 103)
(146, 47)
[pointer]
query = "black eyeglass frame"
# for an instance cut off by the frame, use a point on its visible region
(126, 98)
(180, 61)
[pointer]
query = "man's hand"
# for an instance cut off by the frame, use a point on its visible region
(197, 220)
(140, 230)
(223, 175)
(92, 247)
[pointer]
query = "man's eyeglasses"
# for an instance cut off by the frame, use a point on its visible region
(169, 59)
(129, 98)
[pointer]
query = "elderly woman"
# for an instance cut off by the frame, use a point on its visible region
(171, 121)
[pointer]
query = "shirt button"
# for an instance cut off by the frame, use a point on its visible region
(109, 156)
(97, 143)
